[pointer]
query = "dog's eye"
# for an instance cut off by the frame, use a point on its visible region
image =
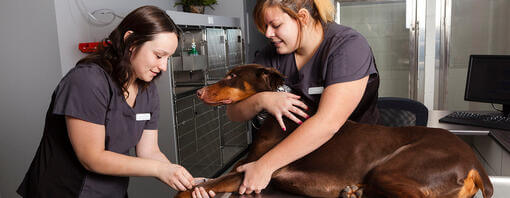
(231, 75)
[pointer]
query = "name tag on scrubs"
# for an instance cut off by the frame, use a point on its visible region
(143, 116)
(315, 90)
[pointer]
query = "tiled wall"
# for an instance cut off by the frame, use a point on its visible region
(383, 25)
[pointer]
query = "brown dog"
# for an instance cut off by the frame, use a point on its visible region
(360, 160)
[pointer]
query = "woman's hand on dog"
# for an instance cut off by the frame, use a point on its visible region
(281, 104)
(175, 176)
(256, 177)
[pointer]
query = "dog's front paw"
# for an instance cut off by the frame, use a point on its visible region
(199, 182)
(183, 194)
(352, 191)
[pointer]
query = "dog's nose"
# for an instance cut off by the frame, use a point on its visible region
(200, 93)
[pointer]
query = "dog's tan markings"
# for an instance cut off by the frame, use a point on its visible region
(472, 183)
(248, 89)
(428, 192)
(317, 184)
(236, 94)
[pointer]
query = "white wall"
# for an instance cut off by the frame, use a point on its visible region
(29, 70)
(231, 8)
(73, 27)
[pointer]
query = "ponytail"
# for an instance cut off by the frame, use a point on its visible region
(325, 9)
(322, 11)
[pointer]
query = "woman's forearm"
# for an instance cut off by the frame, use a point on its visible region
(156, 155)
(245, 109)
(111, 163)
(337, 103)
(305, 139)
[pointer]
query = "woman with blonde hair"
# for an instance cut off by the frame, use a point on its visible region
(328, 65)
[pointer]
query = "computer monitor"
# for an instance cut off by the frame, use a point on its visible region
(488, 80)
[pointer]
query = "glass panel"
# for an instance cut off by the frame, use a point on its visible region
(383, 24)
(234, 138)
(477, 27)
(216, 53)
(234, 47)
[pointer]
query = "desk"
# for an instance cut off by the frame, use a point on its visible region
(500, 136)
(483, 135)
(492, 146)
(457, 129)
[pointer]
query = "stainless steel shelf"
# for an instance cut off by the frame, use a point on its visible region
(191, 19)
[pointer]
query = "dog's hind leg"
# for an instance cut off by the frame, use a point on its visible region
(379, 184)
(310, 183)
(391, 176)
(435, 173)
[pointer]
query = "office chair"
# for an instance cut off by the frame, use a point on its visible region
(397, 112)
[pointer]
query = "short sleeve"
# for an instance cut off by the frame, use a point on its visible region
(152, 124)
(352, 60)
(84, 94)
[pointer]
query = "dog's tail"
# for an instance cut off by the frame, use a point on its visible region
(475, 182)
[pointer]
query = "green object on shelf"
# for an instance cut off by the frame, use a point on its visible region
(193, 50)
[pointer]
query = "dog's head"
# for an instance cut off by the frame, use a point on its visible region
(241, 83)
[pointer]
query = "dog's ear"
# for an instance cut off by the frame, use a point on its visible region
(272, 78)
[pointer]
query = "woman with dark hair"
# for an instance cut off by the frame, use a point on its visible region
(328, 65)
(103, 107)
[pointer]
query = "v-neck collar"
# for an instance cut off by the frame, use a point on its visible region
(308, 63)
(134, 104)
(312, 59)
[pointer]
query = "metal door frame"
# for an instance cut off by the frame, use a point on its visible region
(445, 21)
(413, 25)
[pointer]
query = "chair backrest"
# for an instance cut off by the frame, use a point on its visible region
(398, 112)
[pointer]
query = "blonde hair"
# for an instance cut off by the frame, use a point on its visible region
(321, 10)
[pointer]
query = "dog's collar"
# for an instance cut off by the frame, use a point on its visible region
(284, 88)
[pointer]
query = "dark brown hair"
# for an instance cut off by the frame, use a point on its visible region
(114, 56)
(320, 10)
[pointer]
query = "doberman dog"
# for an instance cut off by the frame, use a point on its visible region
(360, 160)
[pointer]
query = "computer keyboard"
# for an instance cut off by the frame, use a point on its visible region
(488, 120)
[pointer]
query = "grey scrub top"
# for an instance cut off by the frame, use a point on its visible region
(344, 55)
(88, 93)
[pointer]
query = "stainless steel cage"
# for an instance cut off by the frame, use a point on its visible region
(206, 141)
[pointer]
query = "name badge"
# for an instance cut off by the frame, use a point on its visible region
(315, 90)
(143, 116)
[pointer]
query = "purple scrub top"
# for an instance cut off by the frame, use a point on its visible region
(88, 93)
(344, 55)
